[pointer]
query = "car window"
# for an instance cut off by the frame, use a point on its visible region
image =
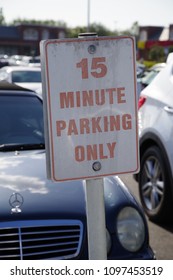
(34, 60)
(148, 78)
(26, 76)
(21, 120)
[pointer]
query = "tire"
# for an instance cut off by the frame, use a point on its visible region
(155, 186)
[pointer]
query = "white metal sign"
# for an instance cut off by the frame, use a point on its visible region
(90, 100)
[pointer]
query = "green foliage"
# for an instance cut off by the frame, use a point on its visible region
(39, 22)
(102, 30)
(96, 28)
(157, 54)
(74, 32)
(170, 49)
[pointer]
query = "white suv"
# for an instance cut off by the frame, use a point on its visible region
(156, 146)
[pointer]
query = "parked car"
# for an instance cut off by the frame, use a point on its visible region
(156, 151)
(3, 60)
(140, 69)
(31, 61)
(150, 74)
(25, 76)
(15, 60)
(42, 219)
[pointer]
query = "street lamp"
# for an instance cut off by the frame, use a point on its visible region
(88, 12)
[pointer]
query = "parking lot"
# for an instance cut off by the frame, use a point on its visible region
(105, 113)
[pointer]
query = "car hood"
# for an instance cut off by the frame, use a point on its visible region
(37, 87)
(25, 173)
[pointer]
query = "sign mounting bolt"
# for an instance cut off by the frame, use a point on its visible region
(96, 166)
(92, 49)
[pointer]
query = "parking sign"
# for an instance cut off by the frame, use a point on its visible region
(90, 102)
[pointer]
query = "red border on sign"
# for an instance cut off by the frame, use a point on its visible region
(58, 41)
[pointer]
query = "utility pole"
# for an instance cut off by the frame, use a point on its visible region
(88, 15)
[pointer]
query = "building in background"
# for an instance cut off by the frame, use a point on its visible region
(150, 36)
(24, 39)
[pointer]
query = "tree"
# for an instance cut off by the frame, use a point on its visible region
(133, 30)
(74, 32)
(2, 19)
(39, 22)
(96, 28)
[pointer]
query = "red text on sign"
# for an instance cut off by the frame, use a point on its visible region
(94, 152)
(94, 125)
(72, 99)
(98, 67)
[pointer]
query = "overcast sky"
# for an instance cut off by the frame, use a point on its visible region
(113, 14)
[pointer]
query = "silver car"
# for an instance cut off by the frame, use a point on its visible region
(156, 151)
(24, 76)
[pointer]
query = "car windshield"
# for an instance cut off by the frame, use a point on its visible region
(148, 78)
(26, 76)
(21, 120)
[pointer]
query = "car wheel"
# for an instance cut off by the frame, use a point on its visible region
(155, 185)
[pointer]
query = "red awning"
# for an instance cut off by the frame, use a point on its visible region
(150, 44)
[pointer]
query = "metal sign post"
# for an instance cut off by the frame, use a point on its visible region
(96, 219)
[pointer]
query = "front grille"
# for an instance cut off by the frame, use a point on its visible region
(37, 240)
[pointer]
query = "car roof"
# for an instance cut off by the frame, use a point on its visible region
(169, 58)
(21, 68)
(13, 87)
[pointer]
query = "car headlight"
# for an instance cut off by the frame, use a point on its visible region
(131, 229)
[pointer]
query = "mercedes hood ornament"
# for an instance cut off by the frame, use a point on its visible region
(16, 200)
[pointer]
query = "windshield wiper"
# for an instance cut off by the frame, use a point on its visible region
(21, 147)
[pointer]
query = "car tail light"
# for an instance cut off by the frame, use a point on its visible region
(141, 101)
